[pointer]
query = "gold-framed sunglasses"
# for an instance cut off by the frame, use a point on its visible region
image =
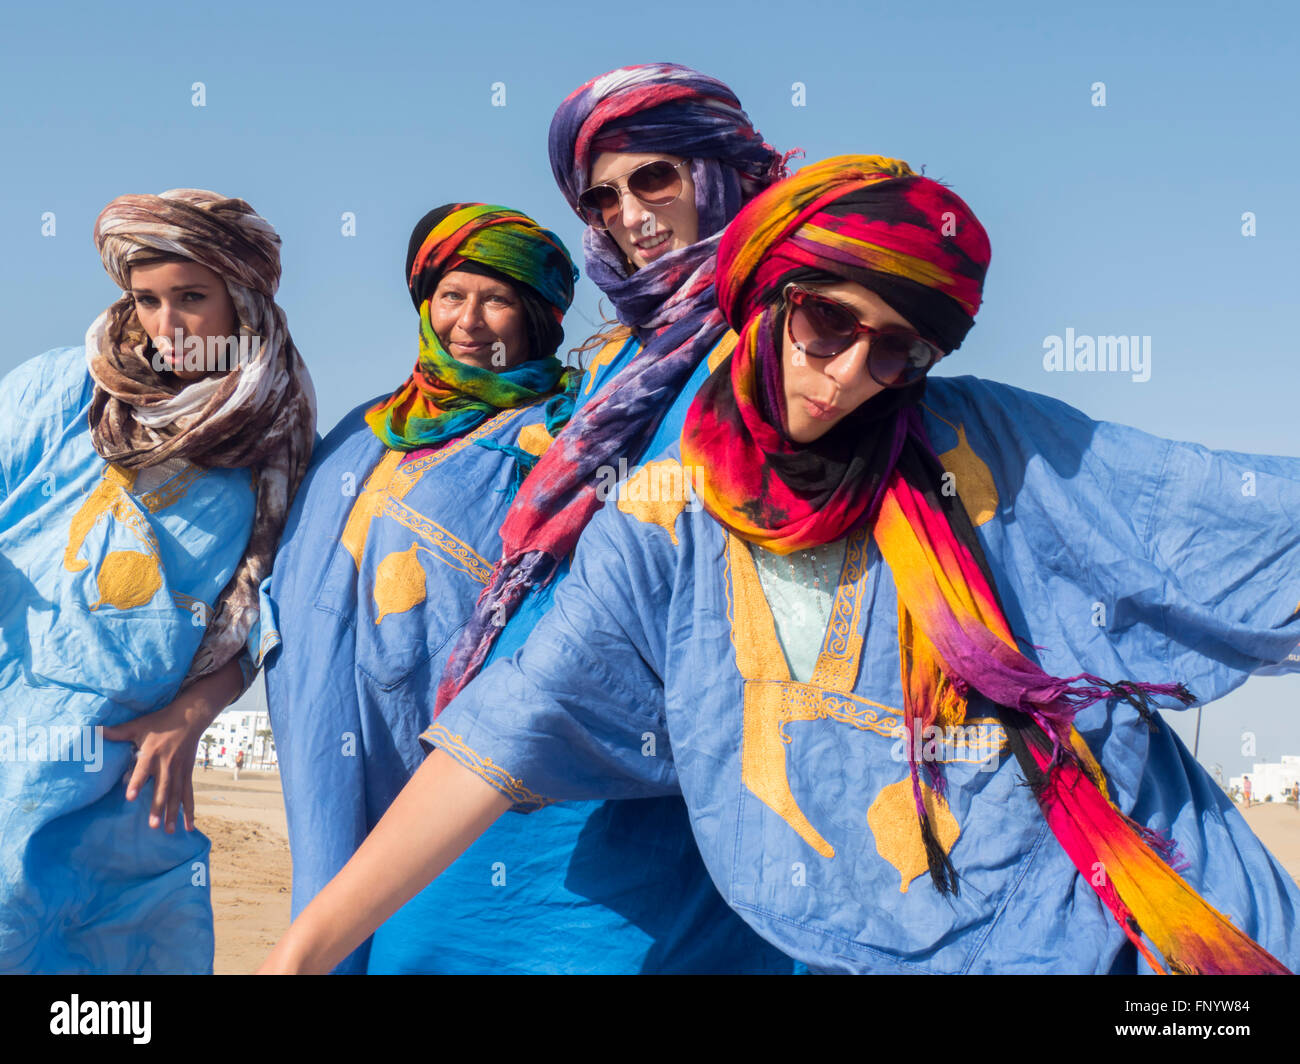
(655, 184)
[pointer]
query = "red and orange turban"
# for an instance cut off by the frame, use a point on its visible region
(867, 219)
(873, 221)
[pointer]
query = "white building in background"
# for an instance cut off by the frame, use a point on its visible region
(1270, 779)
(243, 725)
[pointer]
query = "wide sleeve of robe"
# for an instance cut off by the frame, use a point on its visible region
(33, 414)
(578, 713)
(1115, 553)
(1183, 562)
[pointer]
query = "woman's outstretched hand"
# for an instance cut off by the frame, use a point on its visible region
(167, 741)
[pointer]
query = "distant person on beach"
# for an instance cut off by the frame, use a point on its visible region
(867, 645)
(239, 762)
(1246, 790)
(144, 481)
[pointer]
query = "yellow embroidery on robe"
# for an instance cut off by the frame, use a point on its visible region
(447, 548)
(656, 494)
(126, 578)
(722, 349)
(535, 439)
(167, 494)
(971, 476)
(973, 742)
(392, 479)
(772, 700)
(102, 499)
(368, 505)
(485, 768)
(893, 821)
(603, 358)
(759, 658)
(805, 701)
(841, 653)
(399, 582)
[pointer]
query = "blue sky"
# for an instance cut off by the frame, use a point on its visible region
(1123, 219)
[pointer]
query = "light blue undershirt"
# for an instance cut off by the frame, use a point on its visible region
(800, 591)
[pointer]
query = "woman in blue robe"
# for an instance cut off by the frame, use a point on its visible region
(656, 159)
(144, 478)
(391, 542)
(602, 887)
(702, 646)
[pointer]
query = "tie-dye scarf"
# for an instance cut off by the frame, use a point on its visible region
(671, 305)
(871, 220)
(261, 414)
(444, 398)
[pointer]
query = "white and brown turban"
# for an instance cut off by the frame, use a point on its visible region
(260, 415)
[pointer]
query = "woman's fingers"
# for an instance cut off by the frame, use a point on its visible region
(120, 733)
(160, 753)
(175, 797)
(160, 796)
(139, 775)
(187, 800)
(125, 733)
(173, 803)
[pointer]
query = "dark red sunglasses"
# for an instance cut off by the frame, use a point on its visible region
(822, 327)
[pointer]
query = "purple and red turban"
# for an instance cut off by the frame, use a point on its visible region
(659, 107)
(671, 304)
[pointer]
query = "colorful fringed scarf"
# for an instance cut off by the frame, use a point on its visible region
(872, 221)
(445, 398)
(260, 415)
(671, 305)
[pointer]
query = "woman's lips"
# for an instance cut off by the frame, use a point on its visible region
(650, 248)
(821, 411)
(170, 358)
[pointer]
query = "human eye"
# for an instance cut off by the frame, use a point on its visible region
(832, 317)
(146, 301)
(193, 297)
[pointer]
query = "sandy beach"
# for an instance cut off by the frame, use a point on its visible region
(251, 869)
(1278, 827)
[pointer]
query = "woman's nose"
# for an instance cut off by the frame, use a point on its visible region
(850, 363)
(471, 315)
(635, 214)
(169, 320)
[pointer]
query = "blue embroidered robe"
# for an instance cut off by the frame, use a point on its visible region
(1116, 553)
(586, 887)
(104, 591)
